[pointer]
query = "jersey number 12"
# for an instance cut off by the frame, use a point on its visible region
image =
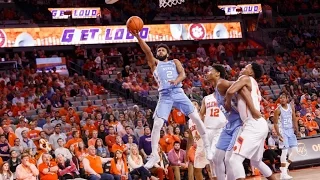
(214, 113)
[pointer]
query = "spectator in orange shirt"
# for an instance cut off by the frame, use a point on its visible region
(90, 109)
(99, 89)
(311, 125)
(34, 134)
(119, 168)
(75, 140)
(110, 139)
(119, 146)
(18, 109)
(72, 114)
(93, 165)
(176, 116)
(92, 141)
(89, 126)
(170, 138)
(64, 111)
(10, 135)
(162, 141)
(48, 169)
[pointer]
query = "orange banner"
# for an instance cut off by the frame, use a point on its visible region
(26, 37)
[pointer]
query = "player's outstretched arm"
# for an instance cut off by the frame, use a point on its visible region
(276, 122)
(203, 109)
(181, 72)
(147, 50)
(246, 95)
(235, 87)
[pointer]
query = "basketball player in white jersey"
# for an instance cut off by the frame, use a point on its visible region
(250, 143)
(229, 134)
(214, 120)
(200, 160)
(288, 140)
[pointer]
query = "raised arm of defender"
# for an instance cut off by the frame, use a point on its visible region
(242, 85)
(152, 61)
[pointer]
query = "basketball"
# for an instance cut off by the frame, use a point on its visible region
(135, 23)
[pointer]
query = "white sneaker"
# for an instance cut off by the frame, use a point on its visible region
(209, 153)
(285, 176)
(152, 161)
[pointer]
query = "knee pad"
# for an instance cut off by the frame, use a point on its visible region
(283, 157)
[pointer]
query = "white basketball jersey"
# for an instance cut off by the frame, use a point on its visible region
(243, 109)
(193, 128)
(214, 118)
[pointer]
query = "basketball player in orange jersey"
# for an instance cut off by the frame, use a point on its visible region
(250, 143)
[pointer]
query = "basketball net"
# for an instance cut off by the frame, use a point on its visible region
(165, 3)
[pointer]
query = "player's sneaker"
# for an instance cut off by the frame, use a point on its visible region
(152, 161)
(285, 176)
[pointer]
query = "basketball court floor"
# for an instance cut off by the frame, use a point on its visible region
(312, 173)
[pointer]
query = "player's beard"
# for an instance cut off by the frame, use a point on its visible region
(161, 58)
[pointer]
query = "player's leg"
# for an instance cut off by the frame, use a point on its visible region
(161, 114)
(229, 171)
(219, 155)
(213, 135)
(263, 168)
(236, 161)
(257, 162)
(292, 151)
(283, 158)
(183, 103)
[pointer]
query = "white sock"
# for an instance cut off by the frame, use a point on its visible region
(283, 170)
(155, 134)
